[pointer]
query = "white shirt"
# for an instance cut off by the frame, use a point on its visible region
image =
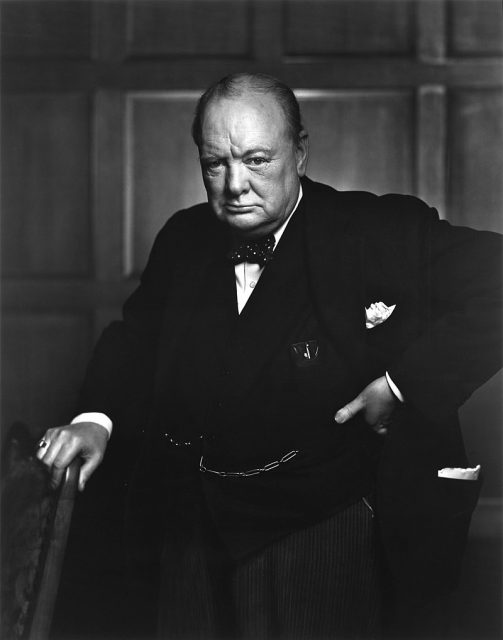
(248, 274)
(247, 277)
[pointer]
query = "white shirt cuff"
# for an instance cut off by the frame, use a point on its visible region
(98, 418)
(394, 388)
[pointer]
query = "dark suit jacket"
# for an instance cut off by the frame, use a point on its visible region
(439, 345)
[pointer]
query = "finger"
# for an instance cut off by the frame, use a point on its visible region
(87, 469)
(45, 442)
(49, 453)
(42, 447)
(57, 473)
(350, 410)
(65, 455)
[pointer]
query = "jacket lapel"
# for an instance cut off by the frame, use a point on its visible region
(335, 272)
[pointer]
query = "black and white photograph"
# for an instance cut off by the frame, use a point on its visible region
(251, 319)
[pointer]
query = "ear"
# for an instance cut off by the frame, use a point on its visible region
(302, 152)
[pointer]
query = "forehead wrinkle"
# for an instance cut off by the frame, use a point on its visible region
(244, 148)
(235, 127)
(214, 144)
(223, 146)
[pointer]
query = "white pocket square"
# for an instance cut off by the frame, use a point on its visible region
(377, 313)
(456, 473)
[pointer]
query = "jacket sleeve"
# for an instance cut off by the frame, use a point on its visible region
(460, 347)
(119, 377)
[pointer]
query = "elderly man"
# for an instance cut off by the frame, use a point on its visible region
(293, 358)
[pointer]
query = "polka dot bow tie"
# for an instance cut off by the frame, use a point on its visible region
(259, 251)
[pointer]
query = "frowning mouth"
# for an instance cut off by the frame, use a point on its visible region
(238, 208)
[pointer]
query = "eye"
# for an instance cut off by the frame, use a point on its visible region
(257, 161)
(212, 165)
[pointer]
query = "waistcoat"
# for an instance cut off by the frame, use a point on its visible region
(259, 409)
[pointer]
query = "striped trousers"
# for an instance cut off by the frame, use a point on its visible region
(319, 583)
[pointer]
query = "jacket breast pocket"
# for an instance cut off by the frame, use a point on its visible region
(317, 370)
(305, 354)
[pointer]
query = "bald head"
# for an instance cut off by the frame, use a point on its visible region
(240, 84)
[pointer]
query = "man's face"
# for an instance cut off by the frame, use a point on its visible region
(250, 165)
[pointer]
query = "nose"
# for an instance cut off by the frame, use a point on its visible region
(236, 180)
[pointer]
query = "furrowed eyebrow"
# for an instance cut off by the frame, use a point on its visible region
(210, 156)
(250, 152)
(205, 157)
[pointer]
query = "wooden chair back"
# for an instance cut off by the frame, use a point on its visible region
(35, 526)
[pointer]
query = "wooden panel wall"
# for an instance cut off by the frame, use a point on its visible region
(49, 29)
(46, 179)
(188, 28)
(398, 96)
(361, 139)
(46, 353)
(475, 160)
(163, 167)
(319, 27)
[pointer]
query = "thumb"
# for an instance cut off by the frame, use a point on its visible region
(87, 469)
(350, 410)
